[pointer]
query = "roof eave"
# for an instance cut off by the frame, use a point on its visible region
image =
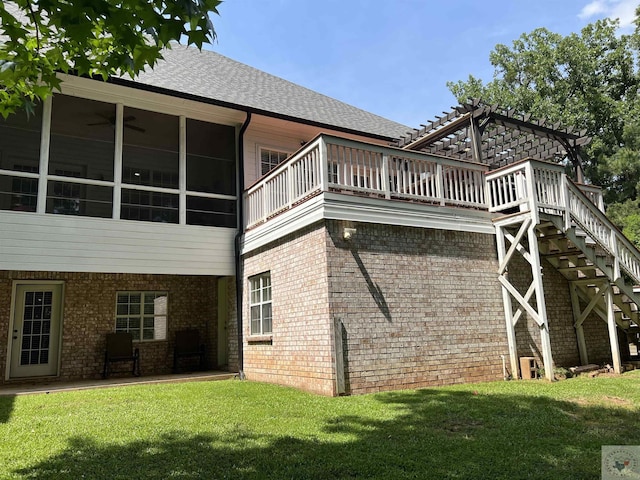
(243, 108)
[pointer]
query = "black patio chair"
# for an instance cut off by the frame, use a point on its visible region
(187, 345)
(120, 349)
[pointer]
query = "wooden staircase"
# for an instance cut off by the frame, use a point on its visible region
(548, 216)
(586, 266)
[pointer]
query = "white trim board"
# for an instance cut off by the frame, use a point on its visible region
(335, 206)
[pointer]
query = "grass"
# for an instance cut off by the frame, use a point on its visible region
(244, 430)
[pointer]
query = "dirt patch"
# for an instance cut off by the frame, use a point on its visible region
(618, 401)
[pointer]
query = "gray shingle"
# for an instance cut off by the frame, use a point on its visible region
(216, 78)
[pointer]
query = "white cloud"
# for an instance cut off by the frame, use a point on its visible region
(592, 9)
(624, 10)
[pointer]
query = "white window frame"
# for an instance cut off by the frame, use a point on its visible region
(159, 319)
(260, 296)
(271, 150)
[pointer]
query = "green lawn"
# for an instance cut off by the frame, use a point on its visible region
(244, 430)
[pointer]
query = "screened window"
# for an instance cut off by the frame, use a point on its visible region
(143, 314)
(260, 304)
(81, 157)
(19, 160)
(150, 150)
(270, 159)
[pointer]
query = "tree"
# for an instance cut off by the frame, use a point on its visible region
(39, 38)
(589, 81)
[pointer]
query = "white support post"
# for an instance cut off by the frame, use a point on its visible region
(385, 176)
(577, 320)
(117, 162)
(613, 245)
(532, 199)
(440, 183)
(508, 309)
(566, 203)
(265, 201)
(45, 140)
(324, 165)
(613, 331)
(536, 270)
(289, 189)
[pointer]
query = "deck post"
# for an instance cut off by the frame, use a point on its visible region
(536, 270)
(385, 176)
(508, 310)
(578, 318)
(440, 183)
(527, 227)
(324, 165)
(613, 331)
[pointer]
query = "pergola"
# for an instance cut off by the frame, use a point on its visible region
(493, 136)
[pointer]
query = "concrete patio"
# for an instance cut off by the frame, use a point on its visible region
(55, 386)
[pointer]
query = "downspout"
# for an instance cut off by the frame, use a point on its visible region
(240, 216)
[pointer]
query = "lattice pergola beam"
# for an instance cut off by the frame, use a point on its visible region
(437, 133)
(490, 135)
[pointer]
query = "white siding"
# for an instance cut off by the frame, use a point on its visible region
(36, 242)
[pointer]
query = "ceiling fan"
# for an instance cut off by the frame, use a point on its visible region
(112, 121)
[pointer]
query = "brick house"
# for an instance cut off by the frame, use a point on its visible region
(310, 243)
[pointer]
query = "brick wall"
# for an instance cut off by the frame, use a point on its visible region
(299, 352)
(420, 307)
(89, 313)
(596, 335)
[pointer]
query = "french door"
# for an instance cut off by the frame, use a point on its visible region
(35, 333)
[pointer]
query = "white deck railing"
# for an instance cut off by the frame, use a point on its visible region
(336, 164)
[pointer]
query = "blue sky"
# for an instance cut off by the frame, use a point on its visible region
(393, 57)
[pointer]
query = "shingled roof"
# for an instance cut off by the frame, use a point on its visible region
(214, 78)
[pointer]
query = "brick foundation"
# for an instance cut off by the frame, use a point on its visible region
(417, 307)
(299, 352)
(420, 307)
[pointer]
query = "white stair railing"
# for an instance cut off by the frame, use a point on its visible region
(589, 218)
(540, 187)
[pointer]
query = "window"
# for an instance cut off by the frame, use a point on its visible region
(143, 314)
(270, 159)
(260, 303)
(19, 160)
(211, 174)
(81, 156)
